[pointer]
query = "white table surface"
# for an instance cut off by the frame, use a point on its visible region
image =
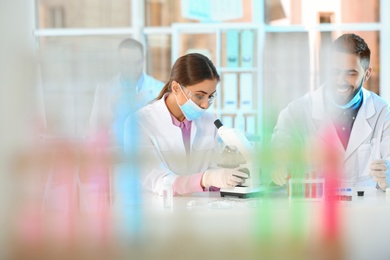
(239, 231)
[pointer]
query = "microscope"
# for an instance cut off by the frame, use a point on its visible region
(235, 140)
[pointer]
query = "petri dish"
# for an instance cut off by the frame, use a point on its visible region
(221, 204)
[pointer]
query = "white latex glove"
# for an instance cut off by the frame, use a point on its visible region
(223, 177)
(280, 175)
(379, 169)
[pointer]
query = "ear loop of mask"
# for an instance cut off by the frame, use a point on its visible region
(181, 89)
(190, 110)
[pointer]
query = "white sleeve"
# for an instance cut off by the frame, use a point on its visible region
(142, 149)
(101, 112)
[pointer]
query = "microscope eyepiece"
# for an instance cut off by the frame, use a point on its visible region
(218, 123)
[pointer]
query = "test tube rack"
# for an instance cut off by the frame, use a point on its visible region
(306, 189)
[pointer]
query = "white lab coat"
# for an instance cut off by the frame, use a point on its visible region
(370, 135)
(161, 146)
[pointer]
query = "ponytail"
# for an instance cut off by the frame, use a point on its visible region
(164, 90)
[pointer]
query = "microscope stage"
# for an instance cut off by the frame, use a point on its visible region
(242, 192)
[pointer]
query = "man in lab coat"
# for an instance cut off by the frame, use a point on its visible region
(128, 91)
(358, 118)
(114, 101)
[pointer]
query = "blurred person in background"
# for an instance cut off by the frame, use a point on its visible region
(176, 136)
(359, 118)
(128, 91)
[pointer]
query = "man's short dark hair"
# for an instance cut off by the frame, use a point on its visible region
(130, 44)
(354, 44)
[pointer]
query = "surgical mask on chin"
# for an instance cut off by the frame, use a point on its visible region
(358, 96)
(190, 110)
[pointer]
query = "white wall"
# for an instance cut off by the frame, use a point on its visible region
(16, 74)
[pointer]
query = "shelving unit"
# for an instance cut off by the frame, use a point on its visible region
(232, 112)
(288, 45)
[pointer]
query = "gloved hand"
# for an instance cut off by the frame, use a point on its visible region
(223, 177)
(280, 175)
(379, 169)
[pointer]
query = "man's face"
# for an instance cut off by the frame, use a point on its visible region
(131, 64)
(346, 76)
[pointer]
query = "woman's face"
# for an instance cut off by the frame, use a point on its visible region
(202, 93)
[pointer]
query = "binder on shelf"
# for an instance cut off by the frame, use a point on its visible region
(246, 91)
(230, 92)
(232, 48)
(228, 120)
(239, 123)
(246, 48)
(250, 124)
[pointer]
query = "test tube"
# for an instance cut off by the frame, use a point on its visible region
(167, 195)
(307, 185)
(320, 189)
(314, 185)
(348, 194)
(342, 194)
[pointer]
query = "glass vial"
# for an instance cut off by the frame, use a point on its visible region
(167, 194)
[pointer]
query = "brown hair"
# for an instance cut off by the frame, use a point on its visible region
(354, 44)
(190, 69)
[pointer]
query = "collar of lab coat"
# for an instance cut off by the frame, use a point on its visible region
(318, 105)
(361, 128)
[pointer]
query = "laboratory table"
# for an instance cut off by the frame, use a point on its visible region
(272, 226)
(207, 226)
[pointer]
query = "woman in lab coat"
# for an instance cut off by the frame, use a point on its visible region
(176, 136)
(357, 118)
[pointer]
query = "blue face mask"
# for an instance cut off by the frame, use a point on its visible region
(356, 99)
(190, 110)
